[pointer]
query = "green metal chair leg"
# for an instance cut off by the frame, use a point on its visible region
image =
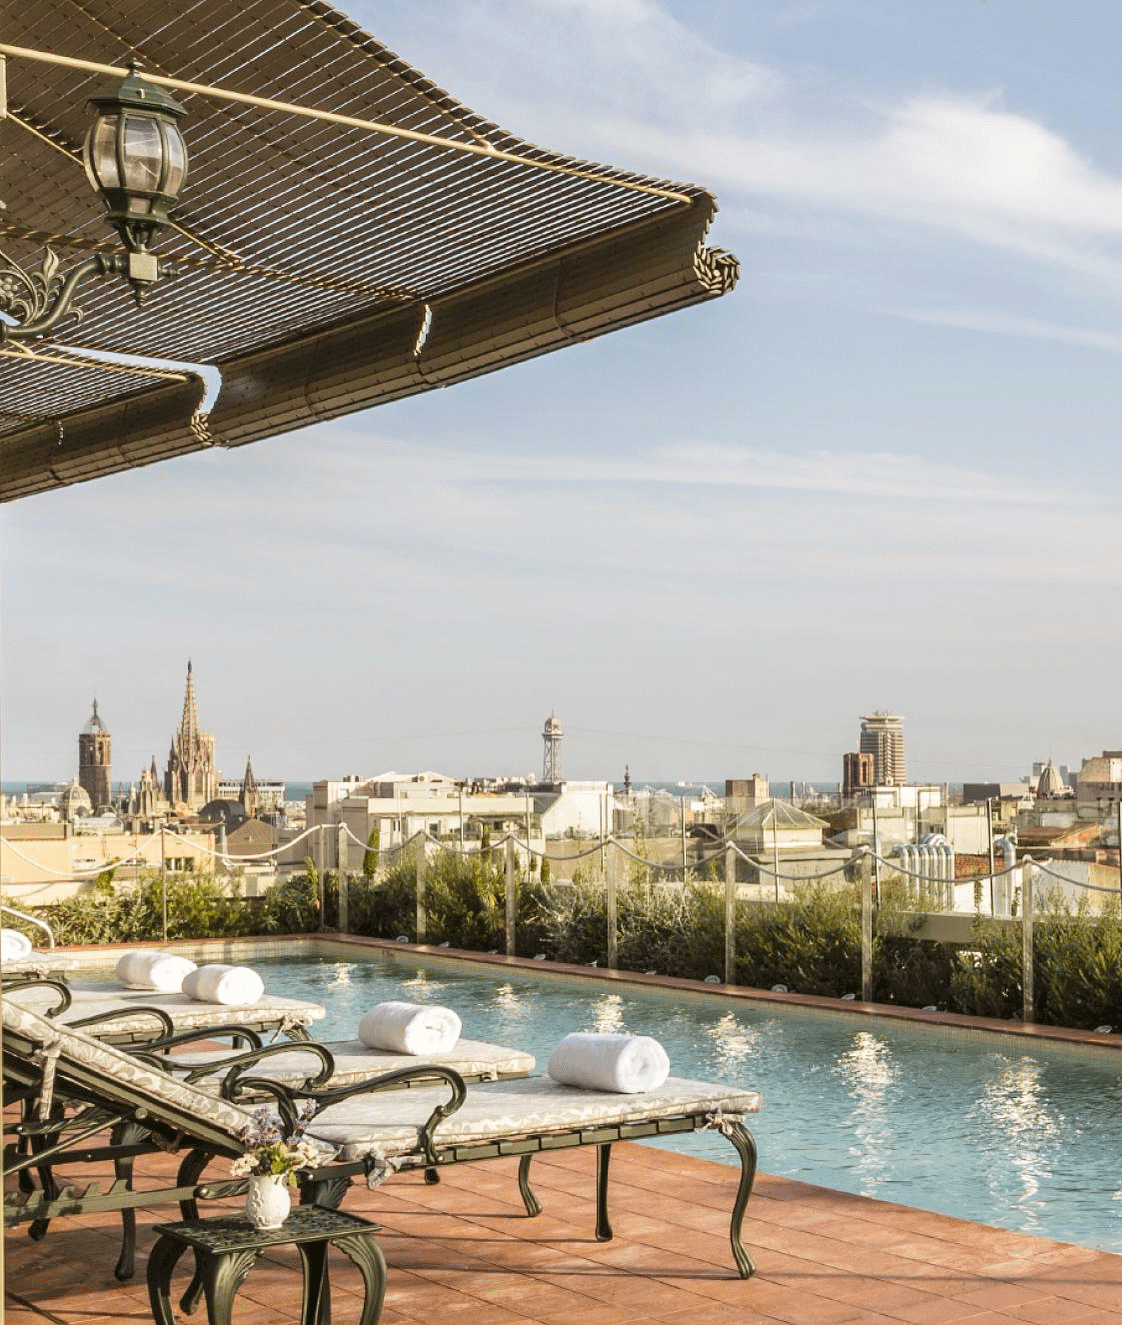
(745, 1145)
(603, 1160)
(50, 1188)
(126, 1134)
(529, 1200)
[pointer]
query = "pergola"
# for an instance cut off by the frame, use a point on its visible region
(349, 235)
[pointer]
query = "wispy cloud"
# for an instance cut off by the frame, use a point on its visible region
(701, 464)
(657, 95)
(1008, 324)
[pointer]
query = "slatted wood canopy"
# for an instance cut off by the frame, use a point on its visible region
(322, 268)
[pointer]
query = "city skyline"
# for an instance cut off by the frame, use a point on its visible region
(880, 474)
(552, 733)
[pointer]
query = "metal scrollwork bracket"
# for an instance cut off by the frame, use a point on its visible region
(40, 298)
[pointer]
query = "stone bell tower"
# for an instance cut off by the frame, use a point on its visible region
(95, 760)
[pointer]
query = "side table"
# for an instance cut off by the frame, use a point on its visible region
(226, 1249)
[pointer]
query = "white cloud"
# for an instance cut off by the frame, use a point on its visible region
(695, 464)
(628, 57)
(1007, 324)
(658, 96)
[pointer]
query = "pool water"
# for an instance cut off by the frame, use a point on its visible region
(961, 1126)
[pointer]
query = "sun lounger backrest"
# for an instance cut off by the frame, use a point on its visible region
(99, 1073)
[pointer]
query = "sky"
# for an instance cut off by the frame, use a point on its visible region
(882, 474)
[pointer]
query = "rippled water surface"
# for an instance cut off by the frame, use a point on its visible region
(983, 1131)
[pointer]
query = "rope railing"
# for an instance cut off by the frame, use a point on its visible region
(92, 871)
(1076, 883)
(791, 878)
(595, 847)
(227, 859)
(599, 845)
(1018, 908)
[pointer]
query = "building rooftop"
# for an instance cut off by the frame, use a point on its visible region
(779, 815)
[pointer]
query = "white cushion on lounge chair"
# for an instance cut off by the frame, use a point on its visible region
(389, 1124)
(355, 1062)
(186, 1013)
(43, 962)
(120, 1076)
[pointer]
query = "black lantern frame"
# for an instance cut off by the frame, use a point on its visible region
(135, 157)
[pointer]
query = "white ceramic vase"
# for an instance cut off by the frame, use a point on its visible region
(268, 1200)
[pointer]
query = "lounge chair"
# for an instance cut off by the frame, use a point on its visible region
(288, 1016)
(142, 1019)
(352, 1062)
(81, 1087)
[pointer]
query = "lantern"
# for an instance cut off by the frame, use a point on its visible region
(136, 158)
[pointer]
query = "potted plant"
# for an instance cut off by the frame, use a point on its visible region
(271, 1163)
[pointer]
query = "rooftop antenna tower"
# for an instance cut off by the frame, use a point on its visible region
(552, 736)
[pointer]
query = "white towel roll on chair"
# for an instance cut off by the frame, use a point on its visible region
(410, 1028)
(148, 968)
(233, 986)
(629, 1064)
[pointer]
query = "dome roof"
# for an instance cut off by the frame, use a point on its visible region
(222, 811)
(74, 800)
(1051, 783)
(779, 815)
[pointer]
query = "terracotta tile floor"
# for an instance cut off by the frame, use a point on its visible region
(462, 1251)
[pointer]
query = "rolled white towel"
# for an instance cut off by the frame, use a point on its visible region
(14, 945)
(630, 1064)
(233, 986)
(410, 1028)
(148, 968)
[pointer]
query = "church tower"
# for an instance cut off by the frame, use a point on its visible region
(191, 778)
(148, 797)
(95, 760)
(249, 797)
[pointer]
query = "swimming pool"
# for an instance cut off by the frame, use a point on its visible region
(968, 1126)
(962, 1126)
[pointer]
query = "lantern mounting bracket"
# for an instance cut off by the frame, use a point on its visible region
(37, 300)
(135, 158)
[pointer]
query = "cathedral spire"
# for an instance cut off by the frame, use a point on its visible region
(189, 727)
(249, 790)
(192, 777)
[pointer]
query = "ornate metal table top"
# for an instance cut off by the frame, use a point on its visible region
(306, 1223)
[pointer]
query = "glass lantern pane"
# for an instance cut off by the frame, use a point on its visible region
(101, 153)
(175, 156)
(143, 153)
